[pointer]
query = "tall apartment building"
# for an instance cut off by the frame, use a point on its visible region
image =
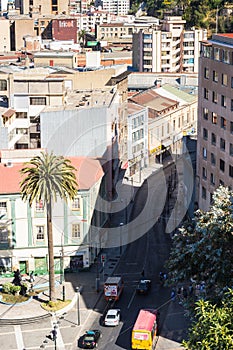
(169, 49)
(119, 7)
(215, 124)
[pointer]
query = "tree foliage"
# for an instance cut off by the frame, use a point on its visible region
(199, 14)
(45, 178)
(202, 250)
(213, 325)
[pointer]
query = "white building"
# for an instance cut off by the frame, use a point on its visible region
(171, 49)
(137, 139)
(119, 7)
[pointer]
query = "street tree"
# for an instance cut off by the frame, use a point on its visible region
(212, 327)
(202, 250)
(47, 177)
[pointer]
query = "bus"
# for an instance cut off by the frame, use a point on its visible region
(145, 330)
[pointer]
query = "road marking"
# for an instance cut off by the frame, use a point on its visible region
(19, 337)
(131, 300)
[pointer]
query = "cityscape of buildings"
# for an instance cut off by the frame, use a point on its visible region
(110, 91)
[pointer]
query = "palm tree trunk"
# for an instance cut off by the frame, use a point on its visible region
(52, 294)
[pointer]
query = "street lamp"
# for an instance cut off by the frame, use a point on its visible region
(78, 311)
(121, 224)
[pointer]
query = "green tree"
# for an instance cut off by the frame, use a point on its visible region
(213, 326)
(203, 248)
(45, 178)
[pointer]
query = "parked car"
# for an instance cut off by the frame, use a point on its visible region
(143, 286)
(112, 317)
(90, 339)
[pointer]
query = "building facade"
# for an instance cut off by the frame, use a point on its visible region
(171, 49)
(118, 7)
(75, 240)
(215, 122)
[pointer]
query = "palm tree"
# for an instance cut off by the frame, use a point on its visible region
(46, 177)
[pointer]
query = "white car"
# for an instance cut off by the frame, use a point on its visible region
(112, 317)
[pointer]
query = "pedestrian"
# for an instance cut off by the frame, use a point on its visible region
(173, 295)
(179, 295)
(161, 276)
(185, 293)
(32, 278)
(190, 289)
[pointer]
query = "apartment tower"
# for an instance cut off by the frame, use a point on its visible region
(215, 117)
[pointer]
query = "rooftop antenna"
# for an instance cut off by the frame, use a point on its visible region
(216, 28)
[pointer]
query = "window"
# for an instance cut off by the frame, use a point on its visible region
(203, 192)
(213, 139)
(205, 133)
(222, 165)
(231, 149)
(212, 179)
(38, 101)
(223, 123)
(223, 101)
(21, 115)
(232, 82)
(3, 85)
(231, 127)
(213, 159)
(215, 76)
(205, 113)
(230, 170)
(3, 236)
(214, 97)
(76, 204)
(3, 208)
(204, 153)
(224, 79)
(216, 53)
(75, 230)
(40, 233)
(226, 56)
(206, 73)
(39, 206)
(211, 199)
(214, 118)
(221, 183)
(222, 144)
(204, 173)
(206, 93)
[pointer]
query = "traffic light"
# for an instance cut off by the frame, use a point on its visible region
(103, 258)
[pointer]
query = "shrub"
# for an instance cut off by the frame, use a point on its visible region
(15, 289)
(7, 287)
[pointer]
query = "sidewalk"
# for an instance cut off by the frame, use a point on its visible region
(32, 311)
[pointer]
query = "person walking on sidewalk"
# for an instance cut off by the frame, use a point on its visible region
(173, 295)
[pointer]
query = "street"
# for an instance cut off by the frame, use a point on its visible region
(147, 251)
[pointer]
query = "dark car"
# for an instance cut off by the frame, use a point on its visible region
(143, 286)
(90, 339)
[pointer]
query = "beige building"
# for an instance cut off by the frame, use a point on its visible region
(56, 59)
(5, 35)
(20, 27)
(26, 95)
(215, 122)
(171, 115)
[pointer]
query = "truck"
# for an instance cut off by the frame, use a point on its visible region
(113, 287)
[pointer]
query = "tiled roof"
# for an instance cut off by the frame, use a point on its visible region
(153, 100)
(89, 171)
(8, 113)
